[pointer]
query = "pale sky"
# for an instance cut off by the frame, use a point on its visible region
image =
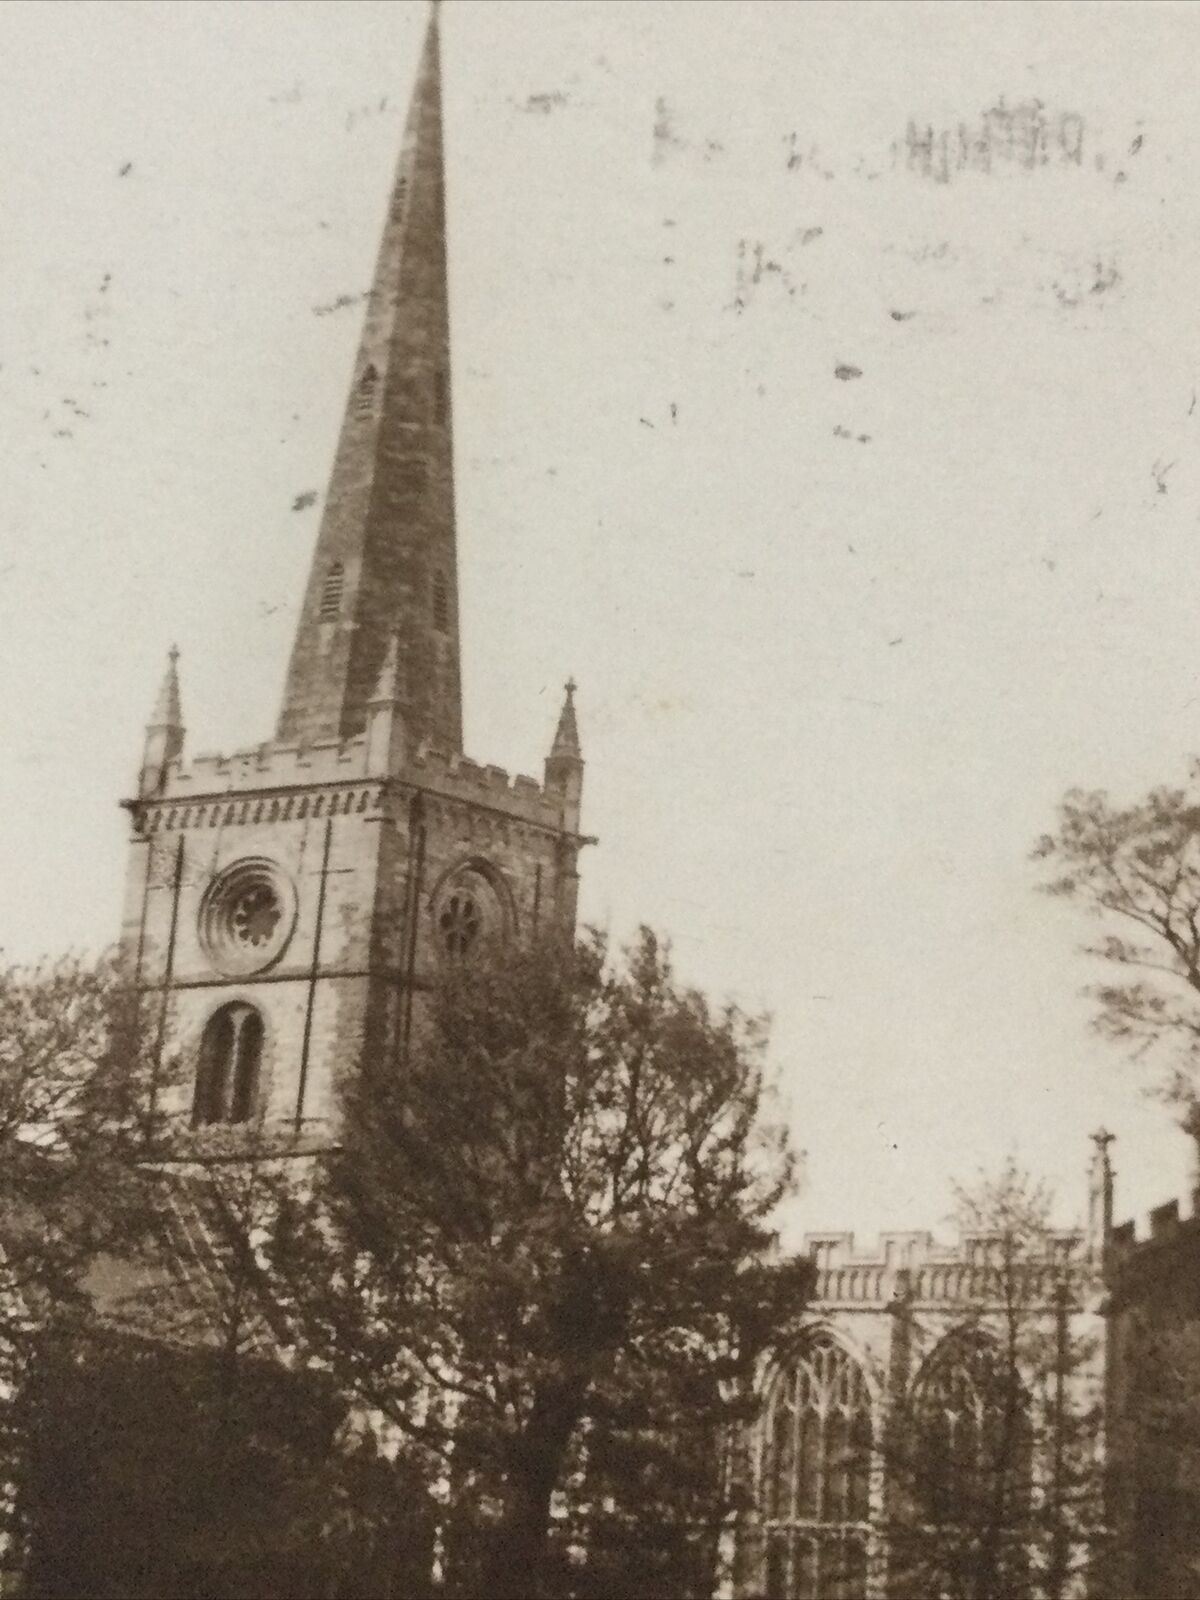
(842, 641)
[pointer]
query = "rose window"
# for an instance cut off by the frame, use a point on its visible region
(460, 922)
(255, 915)
(247, 916)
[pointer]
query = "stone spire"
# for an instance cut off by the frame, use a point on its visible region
(164, 731)
(564, 764)
(385, 561)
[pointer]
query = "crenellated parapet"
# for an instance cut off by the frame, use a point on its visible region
(289, 781)
(915, 1268)
(265, 766)
(1162, 1247)
(452, 776)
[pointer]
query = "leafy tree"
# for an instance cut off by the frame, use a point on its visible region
(73, 1129)
(543, 1242)
(1136, 870)
(994, 1464)
(74, 1083)
(144, 1481)
(159, 1441)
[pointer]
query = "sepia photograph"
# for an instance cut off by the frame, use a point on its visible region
(600, 800)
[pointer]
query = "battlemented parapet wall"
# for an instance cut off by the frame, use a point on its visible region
(914, 1267)
(1141, 1248)
(272, 773)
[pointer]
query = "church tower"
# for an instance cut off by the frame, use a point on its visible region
(288, 902)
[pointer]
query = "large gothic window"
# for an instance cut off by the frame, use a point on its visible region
(965, 1497)
(815, 1478)
(228, 1068)
(972, 1424)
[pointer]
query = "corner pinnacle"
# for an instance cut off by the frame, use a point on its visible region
(566, 736)
(168, 712)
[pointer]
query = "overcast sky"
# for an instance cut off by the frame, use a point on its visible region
(855, 480)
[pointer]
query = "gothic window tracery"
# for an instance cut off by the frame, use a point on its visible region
(247, 915)
(460, 922)
(470, 907)
(972, 1429)
(815, 1476)
(227, 1072)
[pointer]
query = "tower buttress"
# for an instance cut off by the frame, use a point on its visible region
(164, 732)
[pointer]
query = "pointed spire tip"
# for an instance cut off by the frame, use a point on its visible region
(566, 736)
(391, 419)
(167, 711)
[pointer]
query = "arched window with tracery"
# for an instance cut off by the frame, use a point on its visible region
(969, 1463)
(814, 1484)
(227, 1072)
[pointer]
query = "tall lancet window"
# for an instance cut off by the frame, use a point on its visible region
(228, 1069)
(815, 1476)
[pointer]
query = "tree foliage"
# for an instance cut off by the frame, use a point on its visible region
(545, 1243)
(73, 1082)
(1136, 870)
(155, 1470)
(155, 1439)
(74, 1130)
(994, 1464)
